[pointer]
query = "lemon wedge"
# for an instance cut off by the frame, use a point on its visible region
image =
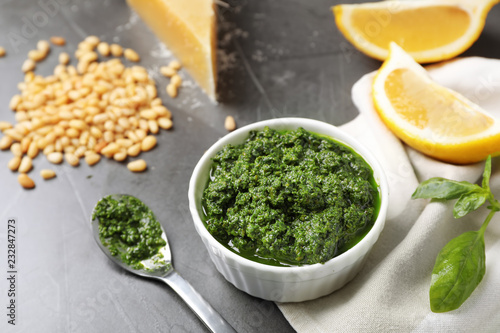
(428, 30)
(433, 119)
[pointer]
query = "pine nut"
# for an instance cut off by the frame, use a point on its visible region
(6, 142)
(116, 50)
(14, 163)
(162, 111)
(51, 137)
(143, 125)
(19, 129)
(137, 165)
(65, 141)
(72, 71)
(91, 143)
(82, 67)
(33, 150)
(100, 118)
(59, 41)
(64, 58)
(140, 76)
(131, 55)
(69, 150)
(2, 52)
(25, 181)
(132, 136)
(43, 46)
(79, 53)
(172, 90)
(175, 64)
(92, 158)
(55, 157)
(99, 146)
(25, 144)
(95, 132)
(14, 102)
(124, 122)
(148, 114)
(21, 116)
(80, 151)
(72, 132)
(15, 148)
(84, 138)
(109, 136)
(78, 124)
(47, 174)
(26, 164)
(49, 149)
(110, 149)
(72, 159)
(176, 80)
(167, 71)
(109, 125)
(92, 41)
(165, 123)
(14, 134)
(125, 143)
(28, 65)
(58, 147)
(140, 133)
(134, 150)
(230, 123)
(36, 55)
(103, 49)
(148, 143)
(120, 156)
(153, 126)
(155, 102)
(89, 57)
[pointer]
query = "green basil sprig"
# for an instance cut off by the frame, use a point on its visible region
(460, 265)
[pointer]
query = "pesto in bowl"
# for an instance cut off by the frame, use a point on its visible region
(289, 198)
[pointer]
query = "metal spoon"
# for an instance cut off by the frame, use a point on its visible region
(163, 270)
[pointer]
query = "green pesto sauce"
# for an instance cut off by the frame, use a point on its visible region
(289, 197)
(129, 229)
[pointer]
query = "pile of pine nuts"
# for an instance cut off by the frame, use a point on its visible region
(85, 111)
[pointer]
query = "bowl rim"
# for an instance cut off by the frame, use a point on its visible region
(293, 122)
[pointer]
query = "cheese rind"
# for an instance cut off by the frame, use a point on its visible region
(188, 28)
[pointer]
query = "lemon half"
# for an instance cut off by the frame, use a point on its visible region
(428, 30)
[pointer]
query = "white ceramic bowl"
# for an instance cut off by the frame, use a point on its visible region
(296, 283)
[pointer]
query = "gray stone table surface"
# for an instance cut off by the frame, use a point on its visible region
(277, 57)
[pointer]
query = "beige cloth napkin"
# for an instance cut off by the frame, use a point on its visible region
(390, 294)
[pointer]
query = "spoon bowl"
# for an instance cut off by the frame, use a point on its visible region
(160, 267)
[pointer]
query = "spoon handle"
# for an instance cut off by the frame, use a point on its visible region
(197, 303)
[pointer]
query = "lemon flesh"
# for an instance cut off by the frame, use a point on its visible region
(416, 29)
(431, 106)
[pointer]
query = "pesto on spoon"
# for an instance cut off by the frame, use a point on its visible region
(128, 232)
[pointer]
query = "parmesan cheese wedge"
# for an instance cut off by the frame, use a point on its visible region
(188, 28)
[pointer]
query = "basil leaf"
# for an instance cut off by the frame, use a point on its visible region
(469, 202)
(487, 173)
(442, 188)
(459, 268)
